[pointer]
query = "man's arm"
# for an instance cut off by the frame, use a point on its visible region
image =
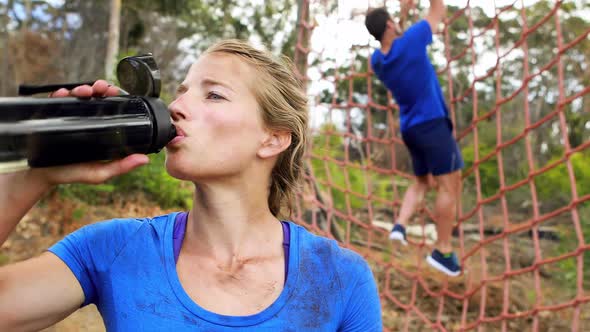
(405, 6)
(436, 14)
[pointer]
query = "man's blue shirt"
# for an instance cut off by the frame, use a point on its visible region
(408, 73)
(126, 267)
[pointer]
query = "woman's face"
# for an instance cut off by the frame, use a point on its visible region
(217, 118)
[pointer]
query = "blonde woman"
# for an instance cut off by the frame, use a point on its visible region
(230, 263)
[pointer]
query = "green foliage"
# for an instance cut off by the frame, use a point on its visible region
(78, 214)
(151, 179)
(92, 194)
(338, 177)
(157, 183)
(554, 185)
(554, 190)
(211, 20)
(569, 267)
(488, 170)
(329, 144)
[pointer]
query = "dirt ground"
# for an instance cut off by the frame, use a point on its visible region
(86, 319)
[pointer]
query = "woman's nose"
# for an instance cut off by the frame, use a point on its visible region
(177, 112)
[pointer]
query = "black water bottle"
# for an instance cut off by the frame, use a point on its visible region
(60, 131)
(41, 132)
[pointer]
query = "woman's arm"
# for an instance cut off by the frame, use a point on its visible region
(40, 291)
(37, 293)
(18, 193)
(21, 190)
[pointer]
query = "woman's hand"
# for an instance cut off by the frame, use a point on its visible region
(90, 172)
(100, 88)
(19, 191)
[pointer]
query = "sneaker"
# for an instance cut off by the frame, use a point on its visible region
(398, 233)
(446, 263)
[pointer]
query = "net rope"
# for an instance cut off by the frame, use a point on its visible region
(520, 101)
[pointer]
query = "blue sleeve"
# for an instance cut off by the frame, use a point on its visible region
(363, 310)
(419, 34)
(90, 250)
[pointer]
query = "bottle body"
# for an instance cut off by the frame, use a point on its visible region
(60, 131)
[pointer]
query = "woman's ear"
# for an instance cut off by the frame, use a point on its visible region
(275, 142)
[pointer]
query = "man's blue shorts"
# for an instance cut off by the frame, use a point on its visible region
(433, 147)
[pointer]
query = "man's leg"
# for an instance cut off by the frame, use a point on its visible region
(415, 193)
(445, 162)
(413, 197)
(445, 208)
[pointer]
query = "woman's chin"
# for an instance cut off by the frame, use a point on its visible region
(174, 168)
(179, 169)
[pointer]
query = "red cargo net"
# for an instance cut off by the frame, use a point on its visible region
(517, 82)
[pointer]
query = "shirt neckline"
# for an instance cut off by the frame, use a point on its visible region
(225, 320)
(179, 231)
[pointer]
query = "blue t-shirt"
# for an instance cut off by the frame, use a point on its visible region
(126, 267)
(408, 73)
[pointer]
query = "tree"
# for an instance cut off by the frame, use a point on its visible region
(159, 26)
(113, 39)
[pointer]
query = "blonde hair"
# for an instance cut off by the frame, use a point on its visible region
(283, 106)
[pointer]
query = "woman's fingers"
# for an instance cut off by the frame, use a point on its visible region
(60, 93)
(91, 172)
(102, 172)
(100, 88)
(82, 91)
(112, 91)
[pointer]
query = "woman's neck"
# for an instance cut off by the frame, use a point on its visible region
(227, 220)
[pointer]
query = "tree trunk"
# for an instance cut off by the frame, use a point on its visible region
(113, 39)
(5, 85)
(28, 14)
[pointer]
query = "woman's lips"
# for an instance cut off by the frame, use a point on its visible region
(179, 131)
(179, 137)
(176, 140)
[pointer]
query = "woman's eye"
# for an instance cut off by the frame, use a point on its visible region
(214, 96)
(180, 91)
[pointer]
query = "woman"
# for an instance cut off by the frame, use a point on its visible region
(227, 265)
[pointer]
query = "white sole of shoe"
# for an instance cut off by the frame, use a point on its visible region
(397, 236)
(441, 267)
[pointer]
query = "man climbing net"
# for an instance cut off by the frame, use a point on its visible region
(514, 76)
(402, 64)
